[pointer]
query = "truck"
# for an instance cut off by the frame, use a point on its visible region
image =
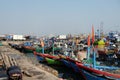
(19, 37)
(62, 37)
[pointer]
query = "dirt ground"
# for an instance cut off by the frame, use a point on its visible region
(35, 70)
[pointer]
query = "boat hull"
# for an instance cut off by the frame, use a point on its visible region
(74, 67)
(70, 64)
(40, 59)
(28, 49)
(94, 74)
(53, 62)
(66, 63)
(50, 59)
(89, 76)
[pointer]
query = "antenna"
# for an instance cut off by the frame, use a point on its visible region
(101, 29)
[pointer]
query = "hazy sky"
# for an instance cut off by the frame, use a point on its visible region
(43, 17)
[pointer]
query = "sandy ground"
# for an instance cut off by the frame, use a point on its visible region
(36, 71)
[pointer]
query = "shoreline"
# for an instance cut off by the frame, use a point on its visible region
(35, 70)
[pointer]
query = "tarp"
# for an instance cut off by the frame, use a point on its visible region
(27, 44)
(101, 42)
(101, 45)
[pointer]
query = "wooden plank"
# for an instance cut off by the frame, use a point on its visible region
(10, 61)
(5, 60)
(14, 61)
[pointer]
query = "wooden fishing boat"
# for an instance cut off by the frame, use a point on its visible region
(16, 46)
(28, 49)
(96, 74)
(91, 73)
(50, 59)
(70, 63)
(53, 61)
(73, 64)
(104, 55)
(40, 57)
(12, 45)
(46, 49)
(66, 63)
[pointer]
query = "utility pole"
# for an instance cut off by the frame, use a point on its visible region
(101, 30)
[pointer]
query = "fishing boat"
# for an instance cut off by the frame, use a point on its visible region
(28, 49)
(64, 60)
(66, 63)
(53, 61)
(98, 74)
(40, 56)
(12, 45)
(88, 72)
(16, 46)
(73, 65)
(50, 59)
(69, 62)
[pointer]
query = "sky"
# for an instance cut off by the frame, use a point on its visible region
(44, 17)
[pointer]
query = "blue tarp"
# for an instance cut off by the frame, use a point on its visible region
(27, 44)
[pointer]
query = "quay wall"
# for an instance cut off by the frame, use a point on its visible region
(13, 42)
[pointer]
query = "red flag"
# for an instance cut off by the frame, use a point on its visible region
(93, 37)
(88, 40)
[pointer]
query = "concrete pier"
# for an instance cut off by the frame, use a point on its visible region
(31, 69)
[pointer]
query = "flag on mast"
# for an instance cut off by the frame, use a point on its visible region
(88, 48)
(88, 40)
(93, 36)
